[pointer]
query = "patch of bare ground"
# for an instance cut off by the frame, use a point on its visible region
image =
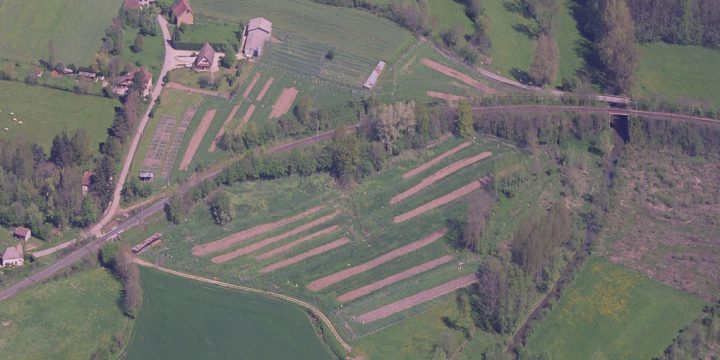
(226, 242)
(339, 276)
(220, 133)
(448, 71)
(287, 247)
(196, 139)
(283, 103)
(447, 198)
(417, 299)
(438, 175)
(250, 87)
(300, 257)
(246, 118)
(265, 89)
(436, 160)
(367, 289)
(445, 96)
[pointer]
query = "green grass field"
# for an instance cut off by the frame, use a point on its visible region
(74, 28)
(184, 319)
(610, 312)
(152, 54)
(69, 318)
(46, 112)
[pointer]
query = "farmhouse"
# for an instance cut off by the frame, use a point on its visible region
(13, 256)
(183, 13)
(86, 181)
(259, 30)
(205, 58)
(121, 84)
(22, 233)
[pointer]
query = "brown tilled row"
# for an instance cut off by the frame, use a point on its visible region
(300, 257)
(248, 90)
(271, 240)
(435, 160)
(452, 196)
(448, 71)
(226, 242)
(213, 145)
(265, 89)
(367, 289)
(246, 118)
(417, 299)
(445, 96)
(456, 166)
(196, 139)
(287, 247)
(326, 281)
(283, 103)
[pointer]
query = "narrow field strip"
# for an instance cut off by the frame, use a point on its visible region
(326, 281)
(450, 197)
(246, 118)
(271, 240)
(287, 247)
(300, 257)
(265, 89)
(367, 289)
(448, 71)
(220, 133)
(283, 102)
(435, 160)
(445, 96)
(196, 139)
(417, 299)
(254, 81)
(438, 175)
(226, 242)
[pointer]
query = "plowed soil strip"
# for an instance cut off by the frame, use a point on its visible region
(265, 89)
(448, 71)
(298, 258)
(283, 103)
(287, 247)
(246, 118)
(417, 299)
(254, 80)
(226, 242)
(367, 289)
(271, 240)
(196, 139)
(437, 176)
(220, 133)
(452, 196)
(445, 96)
(326, 281)
(435, 160)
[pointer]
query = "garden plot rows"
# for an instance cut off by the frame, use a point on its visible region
(165, 144)
(177, 141)
(196, 138)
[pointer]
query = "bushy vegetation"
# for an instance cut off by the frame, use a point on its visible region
(677, 22)
(699, 340)
(117, 258)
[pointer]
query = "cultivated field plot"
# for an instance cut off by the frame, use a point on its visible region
(225, 124)
(283, 103)
(165, 144)
(196, 138)
(448, 71)
(610, 312)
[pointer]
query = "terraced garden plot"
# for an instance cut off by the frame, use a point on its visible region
(300, 257)
(447, 198)
(197, 138)
(165, 144)
(177, 141)
(289, 246)
(436, 160)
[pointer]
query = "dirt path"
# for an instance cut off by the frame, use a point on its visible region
(367, 289)
(445, 96)
(319, 314)
(283, 103)
(226, 242)
(448, 71)
(220, 133)
(287, 247)
(271, 240)
(450, 197)
(298, 258)
(196, 139)
(246, 118)
(181, 87)
(339, 276)
(417, 299)
(250, 87)
(435, 160)
(265, 89)
(437, 176)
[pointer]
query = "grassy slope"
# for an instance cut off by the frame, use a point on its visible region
(46, 112)
(63, 319)
(75, 27)
(567, 37)
(184, 319)
(610, 312)
(510, 48)
(152, 55)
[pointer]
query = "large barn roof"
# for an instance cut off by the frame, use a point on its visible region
(260, 23)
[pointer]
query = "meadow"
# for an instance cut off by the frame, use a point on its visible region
(30, 28)
(180, 318)
(610, 312)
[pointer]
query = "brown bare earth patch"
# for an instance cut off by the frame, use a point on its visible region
(448, 71)
(220, 133)
(287, 247)
(246, 118)
(417, 299)
(250, 87)
(367, 289)
(197, 138)
(265, 89)
(300, 257)
(435, 160)
(226, 242)
(445, 96)
(275, 40)
(450, 197)
(283, 103)
(271, 240)
(339, 276)
(437, 176)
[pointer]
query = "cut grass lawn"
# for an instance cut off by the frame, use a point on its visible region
(46, 112)
(74, 28)
(69, 318)
(610, 312)
(185, 319)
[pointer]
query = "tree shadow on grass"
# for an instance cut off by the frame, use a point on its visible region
(531, 32)
(522, 76)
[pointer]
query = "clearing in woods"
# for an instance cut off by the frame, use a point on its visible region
(445, 96)
(326, 281)
(220, 133)
(300, 257)
(265, 89)
(450, 197)
(283, 103)
(246, 118)
(437, 176)
(250, 87)
(197, 138)
(448, 71)
(287, 247)
(435, 160)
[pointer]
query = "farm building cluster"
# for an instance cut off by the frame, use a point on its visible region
(13, 255)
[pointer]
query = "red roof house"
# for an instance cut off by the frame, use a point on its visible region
(183, 13)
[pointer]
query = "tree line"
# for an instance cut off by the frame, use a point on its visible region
(685, 22)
